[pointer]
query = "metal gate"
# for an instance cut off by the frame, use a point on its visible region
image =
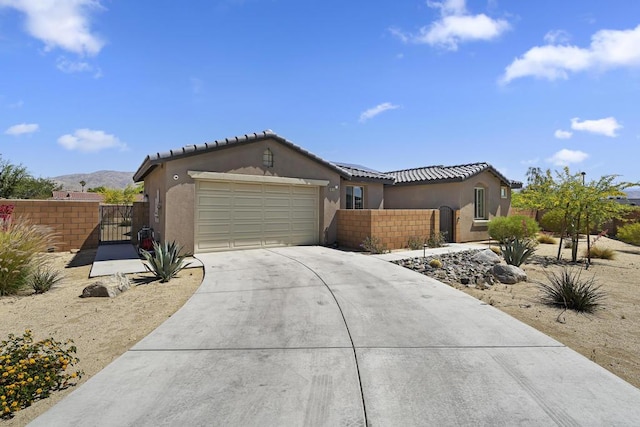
(115, 223)
(446, 223)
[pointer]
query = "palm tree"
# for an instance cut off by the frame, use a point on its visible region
(83, 183)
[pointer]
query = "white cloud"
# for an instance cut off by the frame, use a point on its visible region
(455, 26)
(63, 24)
(607, 126)
(557, 37)
(608, 49)
(533, 161)
(565, 157)
(378, 109)
(68, 66)
(18, 104)
(22, 129)
(563, 134)
(88, 140)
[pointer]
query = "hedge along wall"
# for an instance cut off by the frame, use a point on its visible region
(393, 227)
(76, 223)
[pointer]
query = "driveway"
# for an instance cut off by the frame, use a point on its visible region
(312, 336)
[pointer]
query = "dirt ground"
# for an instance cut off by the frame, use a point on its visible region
(101, 328)
(610, 336)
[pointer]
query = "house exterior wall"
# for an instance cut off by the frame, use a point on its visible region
(177, 217)
(76, 223)
(394, 227)
(373, 194)
(458, 196)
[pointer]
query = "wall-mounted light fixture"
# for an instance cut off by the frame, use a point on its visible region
(145, 198)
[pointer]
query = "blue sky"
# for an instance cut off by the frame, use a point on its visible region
(89, 85)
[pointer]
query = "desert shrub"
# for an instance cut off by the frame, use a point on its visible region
(32, 370)
(436, 240)
(565, 289)
(165, 261)
(552, 221)
(517, 251)
(44, 278)
(373, 245)
(22, 245)
(630, 233)
(600, 253)
(415, 243)
(546, 238)
(504, 228)
(435, 263)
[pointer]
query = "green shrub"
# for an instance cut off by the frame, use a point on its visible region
(505, 228)
(415, 243)
(546, 238)
(165, 261)
(630, 233)
(435, 263)
(600, 253)
(567, 290)
(517, 251)
(373, 245)
(436, 240)
(44, 278)
(552, 221)
(22, 245)
(32, 370)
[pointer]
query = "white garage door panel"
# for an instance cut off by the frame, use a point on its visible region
(237, 215)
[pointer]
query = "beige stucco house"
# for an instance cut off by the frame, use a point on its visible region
(477, 192)
(251, 191)
(261, 190)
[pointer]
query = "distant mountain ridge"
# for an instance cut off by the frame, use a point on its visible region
(110, 179)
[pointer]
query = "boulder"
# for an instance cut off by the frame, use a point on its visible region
(109, 287)
(508, 274)
(487, 256)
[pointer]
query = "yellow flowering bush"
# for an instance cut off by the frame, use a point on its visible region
(32, 370)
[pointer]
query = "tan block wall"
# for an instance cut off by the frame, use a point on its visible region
(393, 227)
(77, 223)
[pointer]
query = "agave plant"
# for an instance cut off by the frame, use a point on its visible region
(517, 250)
(165, 261)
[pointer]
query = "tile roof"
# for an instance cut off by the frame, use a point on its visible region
(152, 160)
(436, 174)
(358, 171)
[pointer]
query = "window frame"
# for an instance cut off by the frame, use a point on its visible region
(267, 158)
(504, 192)
(479, 209)
(351, 201)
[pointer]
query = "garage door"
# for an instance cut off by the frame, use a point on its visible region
(243, 215)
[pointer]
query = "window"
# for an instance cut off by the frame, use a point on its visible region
(479, 204)
(504, 192)
(355, 197)
(267, 158)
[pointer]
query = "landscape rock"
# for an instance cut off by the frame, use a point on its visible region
(487, 255)
(466, 268)
(508, 274)
(108, 287)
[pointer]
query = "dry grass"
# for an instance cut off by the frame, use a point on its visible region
(546, 239)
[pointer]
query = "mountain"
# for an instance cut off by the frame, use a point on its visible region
(110, 179)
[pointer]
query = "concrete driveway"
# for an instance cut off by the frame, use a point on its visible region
(312, 336)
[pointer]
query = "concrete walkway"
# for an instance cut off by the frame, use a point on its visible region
(111, 259)
(312, 336)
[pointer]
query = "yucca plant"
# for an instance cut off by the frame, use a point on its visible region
(567, 290)
(44, 278)
(517, 250)
(22, 245)
(165, 261)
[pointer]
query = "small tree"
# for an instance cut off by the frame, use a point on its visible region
(82, 184)
(582, 205)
